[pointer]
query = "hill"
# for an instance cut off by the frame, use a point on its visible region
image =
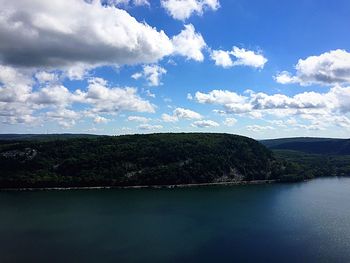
(312, 157)
(155, 159)
(311, 145)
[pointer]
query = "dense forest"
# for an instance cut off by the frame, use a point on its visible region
(163, 159)
(312, 157)
(155, 159)
(311, 145)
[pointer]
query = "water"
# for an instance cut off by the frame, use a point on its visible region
(304, 222)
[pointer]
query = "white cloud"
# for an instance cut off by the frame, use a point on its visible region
(77, 36)
(189, 43)
(183, 9)
(222, 58)
(285, 77)
(205, 124)
(150, 127)
(319, 109)
(181, 113)
(169, 118)
(20, 104)
(64, 117)
(123, 3)
(242, 57)
(230, 122)
(62, 33)
(45, 77)
(258, 128)
(141, 2)
(329, 68)
(100, 119)
(223, 97)
(67, 123)
(114, 100)
(77, 71)
(248, 58)
(56, 95)
(152, 73)
(235, 103)
(138, 119)
(14, 85)
(136, 75)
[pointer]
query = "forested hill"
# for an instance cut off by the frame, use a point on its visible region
(311, 145)
(155, 159)
(312, 157)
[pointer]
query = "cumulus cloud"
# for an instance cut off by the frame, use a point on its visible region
(258, 128)
(100, 119)
(138, 119)
(19, 103)
(242, 57)
(149, 127)
(61, 33)
(77, 36)
(169, 118)
(152, 73)
(235, 103)
(115, 99)
(189, 43)
(64, 117)
(183, 9)
(141, 2)
(223, 97)
(45, 77)
(181, 113)
(285, 77)
(205, 124)
(126, 2)
(230, 122)
(329, 68)
(56, 95)
(314, 107)
(222, 58)
(248, 58)
(15, 85)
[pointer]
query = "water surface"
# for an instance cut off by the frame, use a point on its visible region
(304, 222)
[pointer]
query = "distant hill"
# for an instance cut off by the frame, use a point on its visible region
(154, 159)
(311, 145)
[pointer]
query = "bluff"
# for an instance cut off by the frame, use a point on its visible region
(153, 159)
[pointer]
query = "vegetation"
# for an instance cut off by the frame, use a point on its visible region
(299, 165)
(164, 159)
(311, 145)
(305, 158)
(155, 159)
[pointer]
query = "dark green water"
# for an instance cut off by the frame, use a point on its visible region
(305, 222)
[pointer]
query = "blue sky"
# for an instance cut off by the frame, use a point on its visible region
(263, 69)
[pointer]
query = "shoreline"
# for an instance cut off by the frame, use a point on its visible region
(171, 186)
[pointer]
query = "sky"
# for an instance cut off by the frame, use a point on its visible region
(263, 69)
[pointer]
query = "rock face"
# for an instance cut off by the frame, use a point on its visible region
(154, 159)
(25, 155)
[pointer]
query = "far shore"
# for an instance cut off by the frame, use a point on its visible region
(254, 182)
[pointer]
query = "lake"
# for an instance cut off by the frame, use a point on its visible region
(301, 222)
